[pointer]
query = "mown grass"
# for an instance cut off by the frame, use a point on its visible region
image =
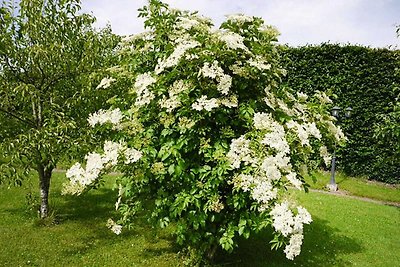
(345, 232)
(356, 186)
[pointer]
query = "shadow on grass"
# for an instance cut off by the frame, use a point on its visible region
(322, 246)
(92, 210)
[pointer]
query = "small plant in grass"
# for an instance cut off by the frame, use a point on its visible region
(207, 136)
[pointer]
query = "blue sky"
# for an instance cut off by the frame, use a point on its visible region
(365, 22)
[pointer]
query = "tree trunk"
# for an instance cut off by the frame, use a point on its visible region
(44, 184)
(211, 252)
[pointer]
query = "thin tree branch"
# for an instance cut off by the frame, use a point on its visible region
(27, 121)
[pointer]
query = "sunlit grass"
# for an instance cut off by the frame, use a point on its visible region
(357, 186)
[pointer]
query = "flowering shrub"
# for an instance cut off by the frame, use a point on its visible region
(207, 140)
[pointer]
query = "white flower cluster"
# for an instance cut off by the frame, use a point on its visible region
(286, 223)
(214, 71)
(176, 56)
(232, 40)
(230, 102)
(336, 131)
(186, 23)
(275, 138)
(323, 98)
(105, 83)
(173, 101)
(304, 131)
(204, 103)
(261, 189)
(116, 228)
(323, 152)
(239, 18)
(96, 163)
(259, 63)
(240, 152)
(144, 95)
(101, 117)
(302, 96)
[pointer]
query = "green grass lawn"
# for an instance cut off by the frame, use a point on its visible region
(345, 232)
(357, 186)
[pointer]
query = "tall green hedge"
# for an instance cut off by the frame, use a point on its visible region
(363, 78)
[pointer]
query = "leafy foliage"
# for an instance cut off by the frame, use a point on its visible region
(365, 79)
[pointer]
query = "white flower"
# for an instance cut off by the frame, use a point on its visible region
(282, 105)
(225, 82)
(239, 18)
(116, 228)
(230, 102)
(101, 117)
(263, 121)
(132, 155)
(277, 140)
(176, 55)
(96, 163)
(323, 152)
(243, 181)
(232, 40)
(204, 103)
(186, 23)
(293, 180)
(302, 96)
(282, 218)
(263, 192)
(75, 172)
(336, 131)
(105, 83)
(294, 247)
(323, 98)
(240, 152)
(301, 131)
(271, 170)
(144, 95)
(260, 63)
(312, 129)
(111, 152)
(216, 72)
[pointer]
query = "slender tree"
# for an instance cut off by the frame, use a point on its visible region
(49, 53)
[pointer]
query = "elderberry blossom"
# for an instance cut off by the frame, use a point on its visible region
(240, 152)
(232, 40)
(293, 249)
(239, 18)
(293, 180)
(105, 83)
(323, 152)
(173, 101)
(214, 71)
(204, 103)
(263, 192)
(116, 228)
(144, 95)
(176, 56)
(259, 63)
(302, 96)
(101, 117)
(323, 98)
(186, 23)
(283, 220)
(96, 163)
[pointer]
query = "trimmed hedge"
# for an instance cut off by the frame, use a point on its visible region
(363, 78)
